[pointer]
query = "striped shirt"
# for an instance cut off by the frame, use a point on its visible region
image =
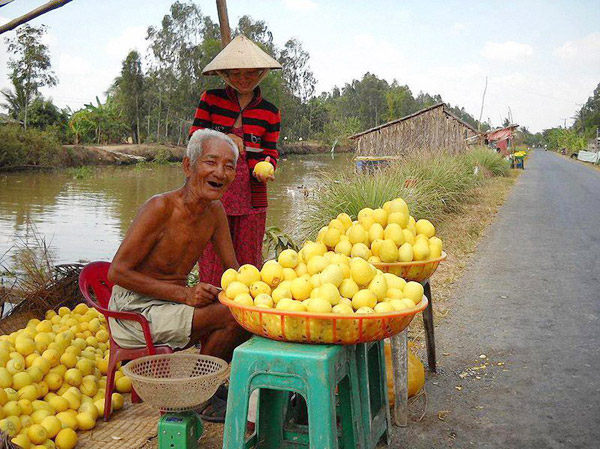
(219, 108)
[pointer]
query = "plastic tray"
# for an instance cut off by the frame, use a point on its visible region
(321, 328)
(412, 271)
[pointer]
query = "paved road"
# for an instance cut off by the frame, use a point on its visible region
(529, 302)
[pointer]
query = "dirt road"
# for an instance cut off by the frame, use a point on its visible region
(518, 355)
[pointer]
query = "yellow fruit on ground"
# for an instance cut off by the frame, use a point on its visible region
(67, 420)
(425, 227)
(74, 401)
(22, 440)
(10, 426)
(99, 403)
(73, 376)
(5, 378)
(259, 287)
(117, 401)
(405, 253)
(81, 308)
(29, 392)
(11, 408)
(88, 386)
(15, 366)
(247, 274)
(364, 298)
(361, 271)
(3, 397)
(11, 394)
(235, 288)
(53, 356)
(68, 359)
(86, 420)
(54, 381)
(21, 379)
(228, 277)
(25, 346)
(89, 407)
(37, 434)
(59, 403)
(413, 290)
(66, 439)
(52, 425)
(244, 299)
(26, 407)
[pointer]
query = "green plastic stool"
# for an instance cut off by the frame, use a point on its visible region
(313, 371)
(376, 418)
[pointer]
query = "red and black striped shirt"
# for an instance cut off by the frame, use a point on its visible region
(219, 108)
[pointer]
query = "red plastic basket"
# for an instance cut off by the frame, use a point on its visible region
(321, 328)
(412, 271)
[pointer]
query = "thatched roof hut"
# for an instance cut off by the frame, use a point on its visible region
(433, 129)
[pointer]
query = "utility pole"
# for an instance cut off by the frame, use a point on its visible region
(224, 22)
(482, 101)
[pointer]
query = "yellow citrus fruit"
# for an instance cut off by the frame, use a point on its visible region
(413, 290)
(272, 273)
(66, 439)
(81, 308)
(10, 426)
(43, 364)
(235, 288)
(12, 408)
(86, 420)
(247, 274)
(59, 403)
(67, 420)
(22, 441)
(52, 425)
(264, 168)
(364, 298)
(117, 401)
(29, 392)
(288, 258)
(244, 299)
(53, 356)
(37, 434)
(21, 379)
(25, 346)
(74, 376)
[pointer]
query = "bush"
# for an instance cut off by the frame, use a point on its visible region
(432, 186)
(489, 160)
(32, 147)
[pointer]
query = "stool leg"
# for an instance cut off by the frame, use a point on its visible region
(428, 323)
(384, 391)
(400, 364)
(234, 432)
(322, 416)
(353, 428)
(272, 405)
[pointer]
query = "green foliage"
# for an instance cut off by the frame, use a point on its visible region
(31, 147)
(30, 68)
(99, 123)
(432, 185)
(83, 172)
(490, 160)
(559, 138)
(275, 241)
(588, 117)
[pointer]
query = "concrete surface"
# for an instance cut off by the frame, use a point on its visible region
(518, 354)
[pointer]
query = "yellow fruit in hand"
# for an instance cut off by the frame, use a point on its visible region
(228, 277)
(364, 298)
(66, 439)
(413, 290)
(264, 168)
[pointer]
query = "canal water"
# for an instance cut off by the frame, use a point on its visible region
(84, 219)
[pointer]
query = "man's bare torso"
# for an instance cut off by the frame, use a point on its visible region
(182, 237)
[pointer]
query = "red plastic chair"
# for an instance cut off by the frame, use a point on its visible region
(94, 279)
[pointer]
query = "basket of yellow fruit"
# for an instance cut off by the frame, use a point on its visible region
(389, 238)
(318, 296)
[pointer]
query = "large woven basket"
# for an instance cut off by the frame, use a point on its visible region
(321, 328)
(176, 382)
(416, 271)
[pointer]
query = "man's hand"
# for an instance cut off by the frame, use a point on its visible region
(238, 141)
(201, 295)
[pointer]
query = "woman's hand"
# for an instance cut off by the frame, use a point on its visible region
(263, 177)
(239, 142)
(201, 295)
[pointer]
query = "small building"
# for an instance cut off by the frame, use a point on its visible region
(501, 139)
(433, 129)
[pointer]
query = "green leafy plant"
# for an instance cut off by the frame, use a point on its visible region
(275, 241)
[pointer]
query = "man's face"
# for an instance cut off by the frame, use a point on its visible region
(213, 170)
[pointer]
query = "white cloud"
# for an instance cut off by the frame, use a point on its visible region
(459, 29)
(586, 50)
(300, 5)
(508, 51)
(130, 39)
(69, 65)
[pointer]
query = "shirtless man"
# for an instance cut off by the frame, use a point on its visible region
(161, 247)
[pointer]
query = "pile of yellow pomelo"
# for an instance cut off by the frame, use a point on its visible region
(316, 280)
(53, 378)
(385, 235)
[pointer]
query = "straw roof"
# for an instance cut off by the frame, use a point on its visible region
(241, 53)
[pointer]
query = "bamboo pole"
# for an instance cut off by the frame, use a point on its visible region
(224, 22)
(33, 14)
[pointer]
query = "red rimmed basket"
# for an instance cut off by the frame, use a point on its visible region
(321, 328)
(412, 271)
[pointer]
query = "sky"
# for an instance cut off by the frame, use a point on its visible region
(541, 58)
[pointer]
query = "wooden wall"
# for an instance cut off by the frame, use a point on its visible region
(431, 131)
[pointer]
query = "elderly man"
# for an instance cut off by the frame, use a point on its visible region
(161, 247)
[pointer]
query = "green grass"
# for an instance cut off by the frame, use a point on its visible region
(432, 186)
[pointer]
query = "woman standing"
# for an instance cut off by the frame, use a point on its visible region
(253, 123)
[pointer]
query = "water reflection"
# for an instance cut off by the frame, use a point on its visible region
(86, 219)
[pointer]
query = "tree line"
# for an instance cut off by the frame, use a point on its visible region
(154, 100)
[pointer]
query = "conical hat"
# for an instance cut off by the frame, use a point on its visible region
(241, 53)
